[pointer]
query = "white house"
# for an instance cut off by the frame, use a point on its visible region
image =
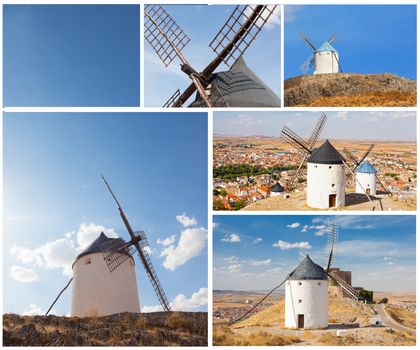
(326, 181)
(307, 297)
(96, 290)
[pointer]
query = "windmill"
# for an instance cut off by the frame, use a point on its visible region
(364, 183)
(304, 147)
(239, 87)
(138, 242)
(324, 59)
(103, 283)
(306, 288)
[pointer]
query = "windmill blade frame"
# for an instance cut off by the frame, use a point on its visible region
(313, 139)
(143, 255)
(225, 52)
(347, 289)
(240, 30)
(331, 40)
(163, 34)
(308, 41)
(307, 64)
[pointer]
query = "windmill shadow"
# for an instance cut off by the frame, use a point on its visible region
(357, 198)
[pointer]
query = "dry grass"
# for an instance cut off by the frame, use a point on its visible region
(369, 99)
(224, 336)
(403, 316)
(400, 338)
(332, 340)
(126, 329)
(270, 316)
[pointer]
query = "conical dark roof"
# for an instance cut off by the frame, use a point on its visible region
(240, 87)
(326, 154)
(95, 246)
(308, 270)
(277, 188)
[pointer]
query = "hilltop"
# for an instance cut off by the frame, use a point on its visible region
(125, 329)
(354, 320)
(350, 90)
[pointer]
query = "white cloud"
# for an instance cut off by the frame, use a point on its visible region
(305, 228)
(181, 303)
(290, 13)
(232, 238)
(231, 258)
(215, 225)
(197, 300)
(286, 245)
(22, 274)
(260, 262)
(26, 256)
(234, 268)
(60, 254)
(33, 310)
(167, 241)
(294, 225)
(191, 242)
(185, 220)
(257, 240)
(87, 233)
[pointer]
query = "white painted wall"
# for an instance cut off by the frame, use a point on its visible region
(274, 194)
(323, 180)
(366, 181)
(309, 298)
(325, 62)
(99, 292)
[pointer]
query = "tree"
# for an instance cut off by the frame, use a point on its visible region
(239, 204)
(218, 204)
(384, 301)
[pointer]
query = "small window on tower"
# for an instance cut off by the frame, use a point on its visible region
(316, 166)
(300, 301)
(332, 185)
(330, 167)
(299, 283)
(319, 283)
(88, 261)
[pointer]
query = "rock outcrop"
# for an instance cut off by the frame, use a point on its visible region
(349, 90)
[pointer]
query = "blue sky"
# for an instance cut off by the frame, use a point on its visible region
(255, 252)
(370, 38)
(56, 202)
(201, 23)
(348, 125)
(71, 55)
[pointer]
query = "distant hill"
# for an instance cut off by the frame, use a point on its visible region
(350, 90)
(126, 329)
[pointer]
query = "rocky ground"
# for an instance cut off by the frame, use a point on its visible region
(350, 90)
(126, 329)
(354, 201)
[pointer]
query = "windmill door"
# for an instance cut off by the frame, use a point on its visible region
(301, 321)
(368, 191)
(332, 200)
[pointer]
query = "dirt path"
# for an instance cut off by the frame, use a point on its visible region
(388, 321)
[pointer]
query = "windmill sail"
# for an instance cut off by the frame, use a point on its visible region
(143, 255)
(347, 289)
(233, 39)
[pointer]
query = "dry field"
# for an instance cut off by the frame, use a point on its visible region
(354, 319)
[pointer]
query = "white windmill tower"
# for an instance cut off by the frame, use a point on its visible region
(324, 59)
(326, 181)
(306, 297)
(366, 176)
(96, 290)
